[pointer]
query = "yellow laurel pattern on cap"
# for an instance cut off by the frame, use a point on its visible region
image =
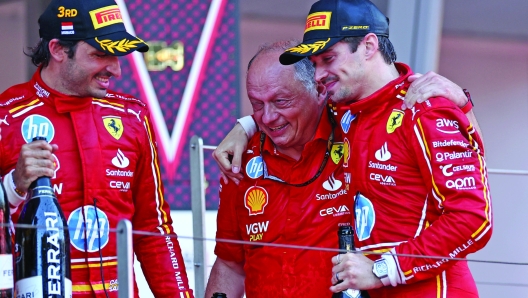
(305, 48)
(123, 45)
(256, 199)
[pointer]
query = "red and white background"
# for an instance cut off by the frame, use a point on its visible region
(189, 78)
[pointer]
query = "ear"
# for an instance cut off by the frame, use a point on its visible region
(57, 52)
(321, 94)
(371, 45)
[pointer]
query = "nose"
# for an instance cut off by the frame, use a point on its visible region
(269, 114)
(320, 74)
(114, 67)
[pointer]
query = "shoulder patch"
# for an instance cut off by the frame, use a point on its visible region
(115, 96)
(16, 94)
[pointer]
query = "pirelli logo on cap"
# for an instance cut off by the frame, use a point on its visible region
(318, 21)
(106, 16)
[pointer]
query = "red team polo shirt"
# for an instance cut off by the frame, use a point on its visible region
(267, 212)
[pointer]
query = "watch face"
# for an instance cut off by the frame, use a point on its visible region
(380, 269)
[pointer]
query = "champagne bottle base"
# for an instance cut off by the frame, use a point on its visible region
(32, 287)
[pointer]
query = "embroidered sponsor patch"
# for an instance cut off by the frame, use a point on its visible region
(255, 200)
(395, 120)
(114, 126)
(318, 21)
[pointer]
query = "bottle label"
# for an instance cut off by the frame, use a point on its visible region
(29, 287)
(42, 191)
(32, 287)
(352, 293)
(6, 272)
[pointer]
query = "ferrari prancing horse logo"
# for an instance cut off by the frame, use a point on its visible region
(114, 126)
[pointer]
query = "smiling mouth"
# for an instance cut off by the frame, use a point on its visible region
(103, 79)
(278, 127)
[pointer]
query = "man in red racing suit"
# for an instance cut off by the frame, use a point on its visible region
(422, 198)
(424, 191)
(100, 154)
(106, 163)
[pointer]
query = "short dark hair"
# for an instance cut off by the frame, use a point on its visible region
(384, 44)
(40, 54)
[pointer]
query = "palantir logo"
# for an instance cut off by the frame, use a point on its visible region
(254, 167)
(37, 126)
(90, 234)
(332, 184)
(383, 154)
(120, 160)
(365, 217)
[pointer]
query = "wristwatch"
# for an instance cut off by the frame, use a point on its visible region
(380, 269)
(469, 104)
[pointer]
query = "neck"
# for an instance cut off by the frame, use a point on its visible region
(50, 75)
(294, 152)
(382, 74)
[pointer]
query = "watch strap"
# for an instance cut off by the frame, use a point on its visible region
(469, 104)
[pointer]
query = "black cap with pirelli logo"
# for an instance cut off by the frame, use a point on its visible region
(329, 21)
(97, 22)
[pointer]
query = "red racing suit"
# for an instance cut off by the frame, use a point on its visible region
(107, 169)
(269, 213)
(424, 190)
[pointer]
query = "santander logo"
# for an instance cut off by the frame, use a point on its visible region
(332, 184)
(120, 160)
(383, 154)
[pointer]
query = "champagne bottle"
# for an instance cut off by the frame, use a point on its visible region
(346, 242)
(6, 254)
(43, 252)
(219, 295)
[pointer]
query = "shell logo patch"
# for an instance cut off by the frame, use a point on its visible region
(114, 126)
(395, 120)
(337, 152)
(255, 199)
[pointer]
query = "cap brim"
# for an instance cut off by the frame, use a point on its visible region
(307, 49)
(118, 43)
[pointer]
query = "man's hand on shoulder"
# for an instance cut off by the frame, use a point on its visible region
(228, 154)
(430, 85)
